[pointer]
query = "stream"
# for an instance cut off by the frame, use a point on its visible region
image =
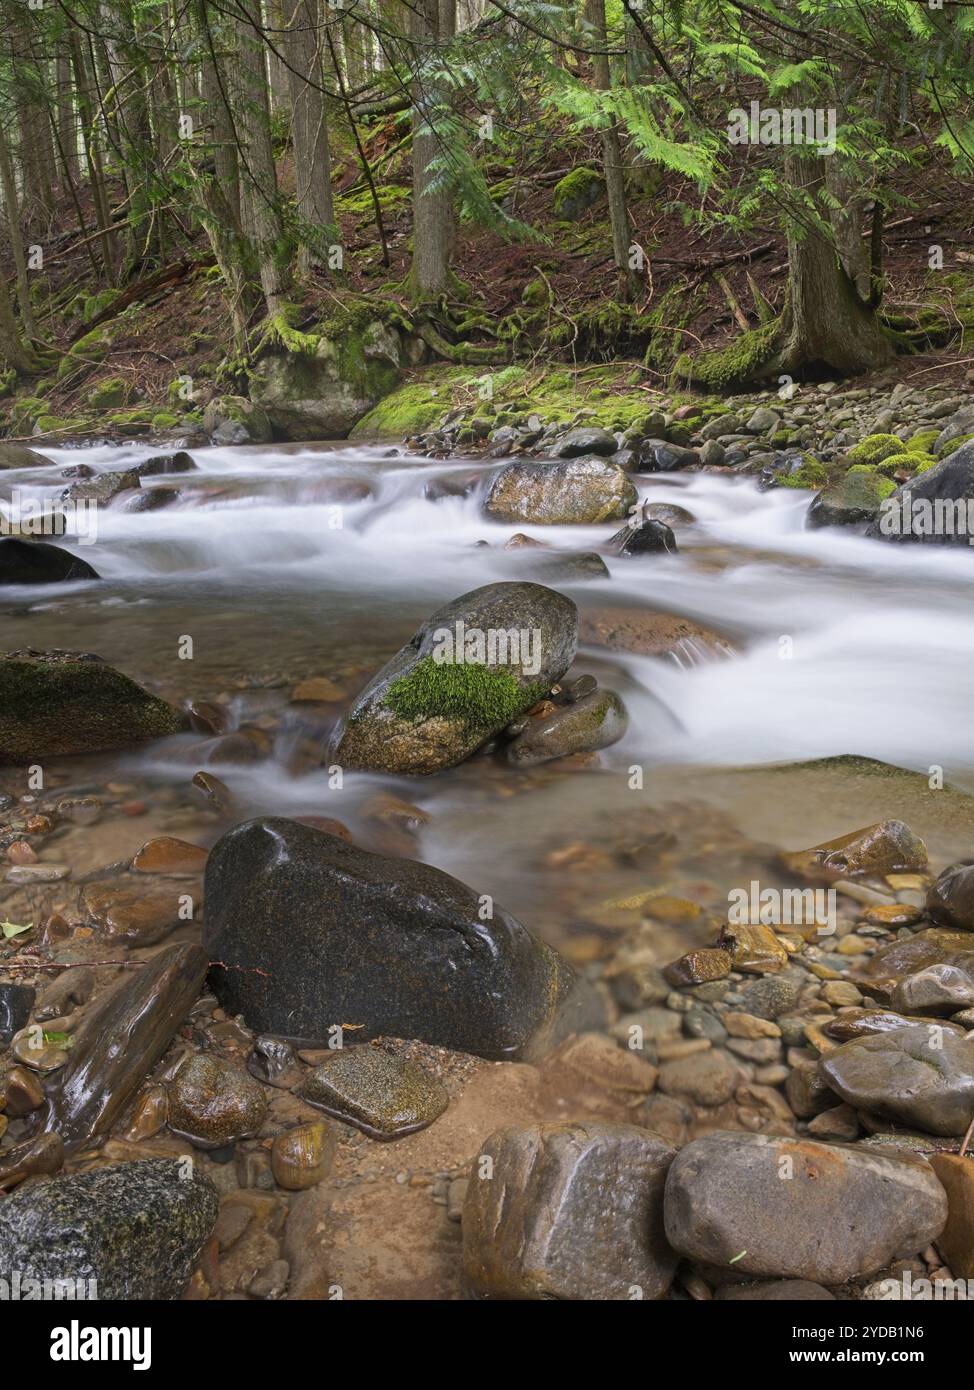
(283, 563)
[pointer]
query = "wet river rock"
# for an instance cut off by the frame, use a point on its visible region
(213, 1104)
(121, 1040)
(312, 932)
(63, 703)
(794, 1209)
(135, 1229)
(575, 491)
(918, 1076)
(442, 696)
(569, 1211)
(950, 900)
(932, 508)
(37, 562)
(376, 1092)
(595, 721)
(887, 847)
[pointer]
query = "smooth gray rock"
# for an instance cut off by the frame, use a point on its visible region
(790, 1208)
(919, 1076)
(568, 492)
(568, 1212)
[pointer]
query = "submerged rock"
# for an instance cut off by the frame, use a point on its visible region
(794, 1209)
(595, 721)
(62, 703)
(37, 562)
(570, 492)
(134, 1230)
(312, 933)
(442, 695)
(382, 1095)
(921, 1077)
(569, 1211)
(16, 1002)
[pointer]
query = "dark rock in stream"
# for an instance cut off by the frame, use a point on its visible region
(160, 464)
(37, 562)
(16, 1002)
(950, 899)
(62, 703)
(212, 1103)
(438, 700)
(103, 488)
(644, 538)
(312, 933)
(120, 1042)
(934, 507)
(134, 1229)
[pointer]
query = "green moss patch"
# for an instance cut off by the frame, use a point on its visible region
(482, 698)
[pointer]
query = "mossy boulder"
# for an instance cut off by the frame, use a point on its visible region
(934, 508)
(111, 393)
(850, 500)
(576, 193)
(236, 420)
(567, 492)
(58, 703)
(473, 667)
(319, 385)
(875, 448)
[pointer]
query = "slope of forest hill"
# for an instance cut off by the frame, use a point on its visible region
(556, 296)
(148, 353)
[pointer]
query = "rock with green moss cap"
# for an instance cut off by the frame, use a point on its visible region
(473, 667)
(324, 382)
(312, 933)
(851, 500)
(578, 491)
(576, 193)
(64, 703)
(934, 508)
(236, 420)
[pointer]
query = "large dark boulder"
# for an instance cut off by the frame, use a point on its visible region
(935, 508)
(62, 703)
(36, 562)
(439, 698)
(311, 933)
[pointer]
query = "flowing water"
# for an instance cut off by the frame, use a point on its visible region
(286, 562)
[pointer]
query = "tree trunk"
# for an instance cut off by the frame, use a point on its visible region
(93, 156)
(312, 158)
(259, 196)
(11, 202)
(67, 126)
(612, 159)
(824, 323)
(432, 211)
(13, 350)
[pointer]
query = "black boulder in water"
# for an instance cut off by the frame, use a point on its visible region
(36, 562)
(935, 508)
(125, 1231)
(308, 932)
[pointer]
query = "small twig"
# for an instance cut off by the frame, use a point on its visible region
(967, 1138)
